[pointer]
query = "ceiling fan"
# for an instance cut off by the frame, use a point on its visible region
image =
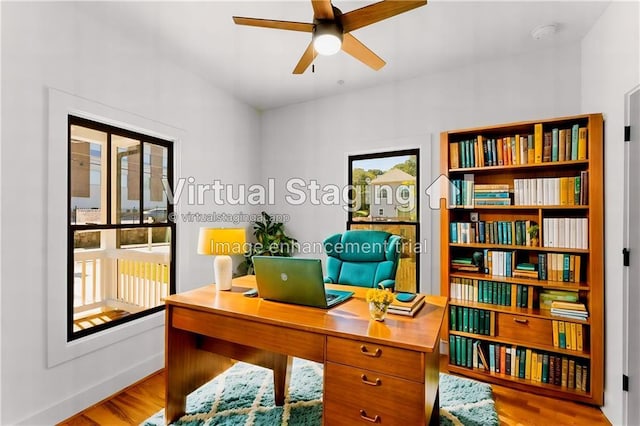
(331, 29)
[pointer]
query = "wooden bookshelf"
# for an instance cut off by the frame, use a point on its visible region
(569, 211)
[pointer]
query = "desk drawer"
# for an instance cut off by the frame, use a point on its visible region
(381, 358)
(395, 401)
(269, 337)
(525, 329)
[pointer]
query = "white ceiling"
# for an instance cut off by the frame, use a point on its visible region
(255, 64)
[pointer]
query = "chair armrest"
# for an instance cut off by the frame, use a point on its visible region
(387, 284)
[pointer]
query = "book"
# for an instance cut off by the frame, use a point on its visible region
(454, 156)
(571, 306)
(582, 143)
(483, 358)
(401, 310)
(407, 306)
(546, 147)
(571, 378)
(537, 143)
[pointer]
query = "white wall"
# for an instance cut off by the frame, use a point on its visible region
(312, 140)
(610, 68)
(57, 45)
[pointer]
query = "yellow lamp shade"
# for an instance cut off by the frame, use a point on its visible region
(221, 241)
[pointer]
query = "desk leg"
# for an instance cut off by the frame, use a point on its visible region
(435, 413)
(281, 374)
(432, 390)
(187, 368)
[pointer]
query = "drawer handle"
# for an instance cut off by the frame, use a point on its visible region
(363, 415)
(366, 381)
(366, 352)
(521, 321)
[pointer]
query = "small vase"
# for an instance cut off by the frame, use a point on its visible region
(378, 311)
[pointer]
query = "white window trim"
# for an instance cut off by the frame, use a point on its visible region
(61, 105)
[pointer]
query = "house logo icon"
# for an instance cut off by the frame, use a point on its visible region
(440, 188)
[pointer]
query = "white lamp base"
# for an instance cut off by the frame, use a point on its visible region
(222, 272)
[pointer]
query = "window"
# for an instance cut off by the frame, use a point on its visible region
(120, 242)
(385, 197)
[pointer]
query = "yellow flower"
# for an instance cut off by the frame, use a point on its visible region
(378, 296)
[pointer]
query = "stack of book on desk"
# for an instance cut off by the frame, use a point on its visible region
(573, 310)
(408, 309)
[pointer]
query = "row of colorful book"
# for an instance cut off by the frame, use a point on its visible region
(489, 292)
(461, 192)
(500, 263)
(551, 145)
(523, 363)
(559, 267)
(562, 144)
(552, 191)
(565, 232)
(568, 335)
(471, 320)
(491, 232)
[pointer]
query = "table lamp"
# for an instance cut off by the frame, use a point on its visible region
(222, 242)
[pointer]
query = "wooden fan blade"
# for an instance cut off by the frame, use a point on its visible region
(322, 9)
(377, 12)
(355, 48)
(270, 23)
(307, 58)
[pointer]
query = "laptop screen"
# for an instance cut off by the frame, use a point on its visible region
(294, 280)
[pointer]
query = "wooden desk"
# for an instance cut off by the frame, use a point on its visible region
(387, 371)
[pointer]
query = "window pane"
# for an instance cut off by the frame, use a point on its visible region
(89, 293)
(151, 238)
(119, 272)
(86, 174)
(126, 186)
(407, 272)
(156, 160)
(385, 189)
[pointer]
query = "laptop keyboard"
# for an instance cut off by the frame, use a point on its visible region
(331, 296)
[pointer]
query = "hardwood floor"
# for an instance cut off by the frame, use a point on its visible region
(139, 401)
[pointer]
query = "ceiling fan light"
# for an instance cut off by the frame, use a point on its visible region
(327, 44)
(327, 38)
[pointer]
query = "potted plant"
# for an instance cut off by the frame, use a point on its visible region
(271, 240)
(533, 231)
(379, 300)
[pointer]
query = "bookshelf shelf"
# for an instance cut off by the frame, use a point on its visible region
(525, 312)
(494, 169)
(553, 170)
(514, 247)
(536, 207)
(554, 285)
(523, 384)
(546, 348)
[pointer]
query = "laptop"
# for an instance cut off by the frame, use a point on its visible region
(295, 280)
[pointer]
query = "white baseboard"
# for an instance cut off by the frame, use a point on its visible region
(85, 398)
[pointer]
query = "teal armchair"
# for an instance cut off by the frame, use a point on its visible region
(362, 258)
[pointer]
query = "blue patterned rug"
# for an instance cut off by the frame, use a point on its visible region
(243, 395)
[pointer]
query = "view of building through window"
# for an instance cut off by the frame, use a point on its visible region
(121, 243)
(386, 198)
